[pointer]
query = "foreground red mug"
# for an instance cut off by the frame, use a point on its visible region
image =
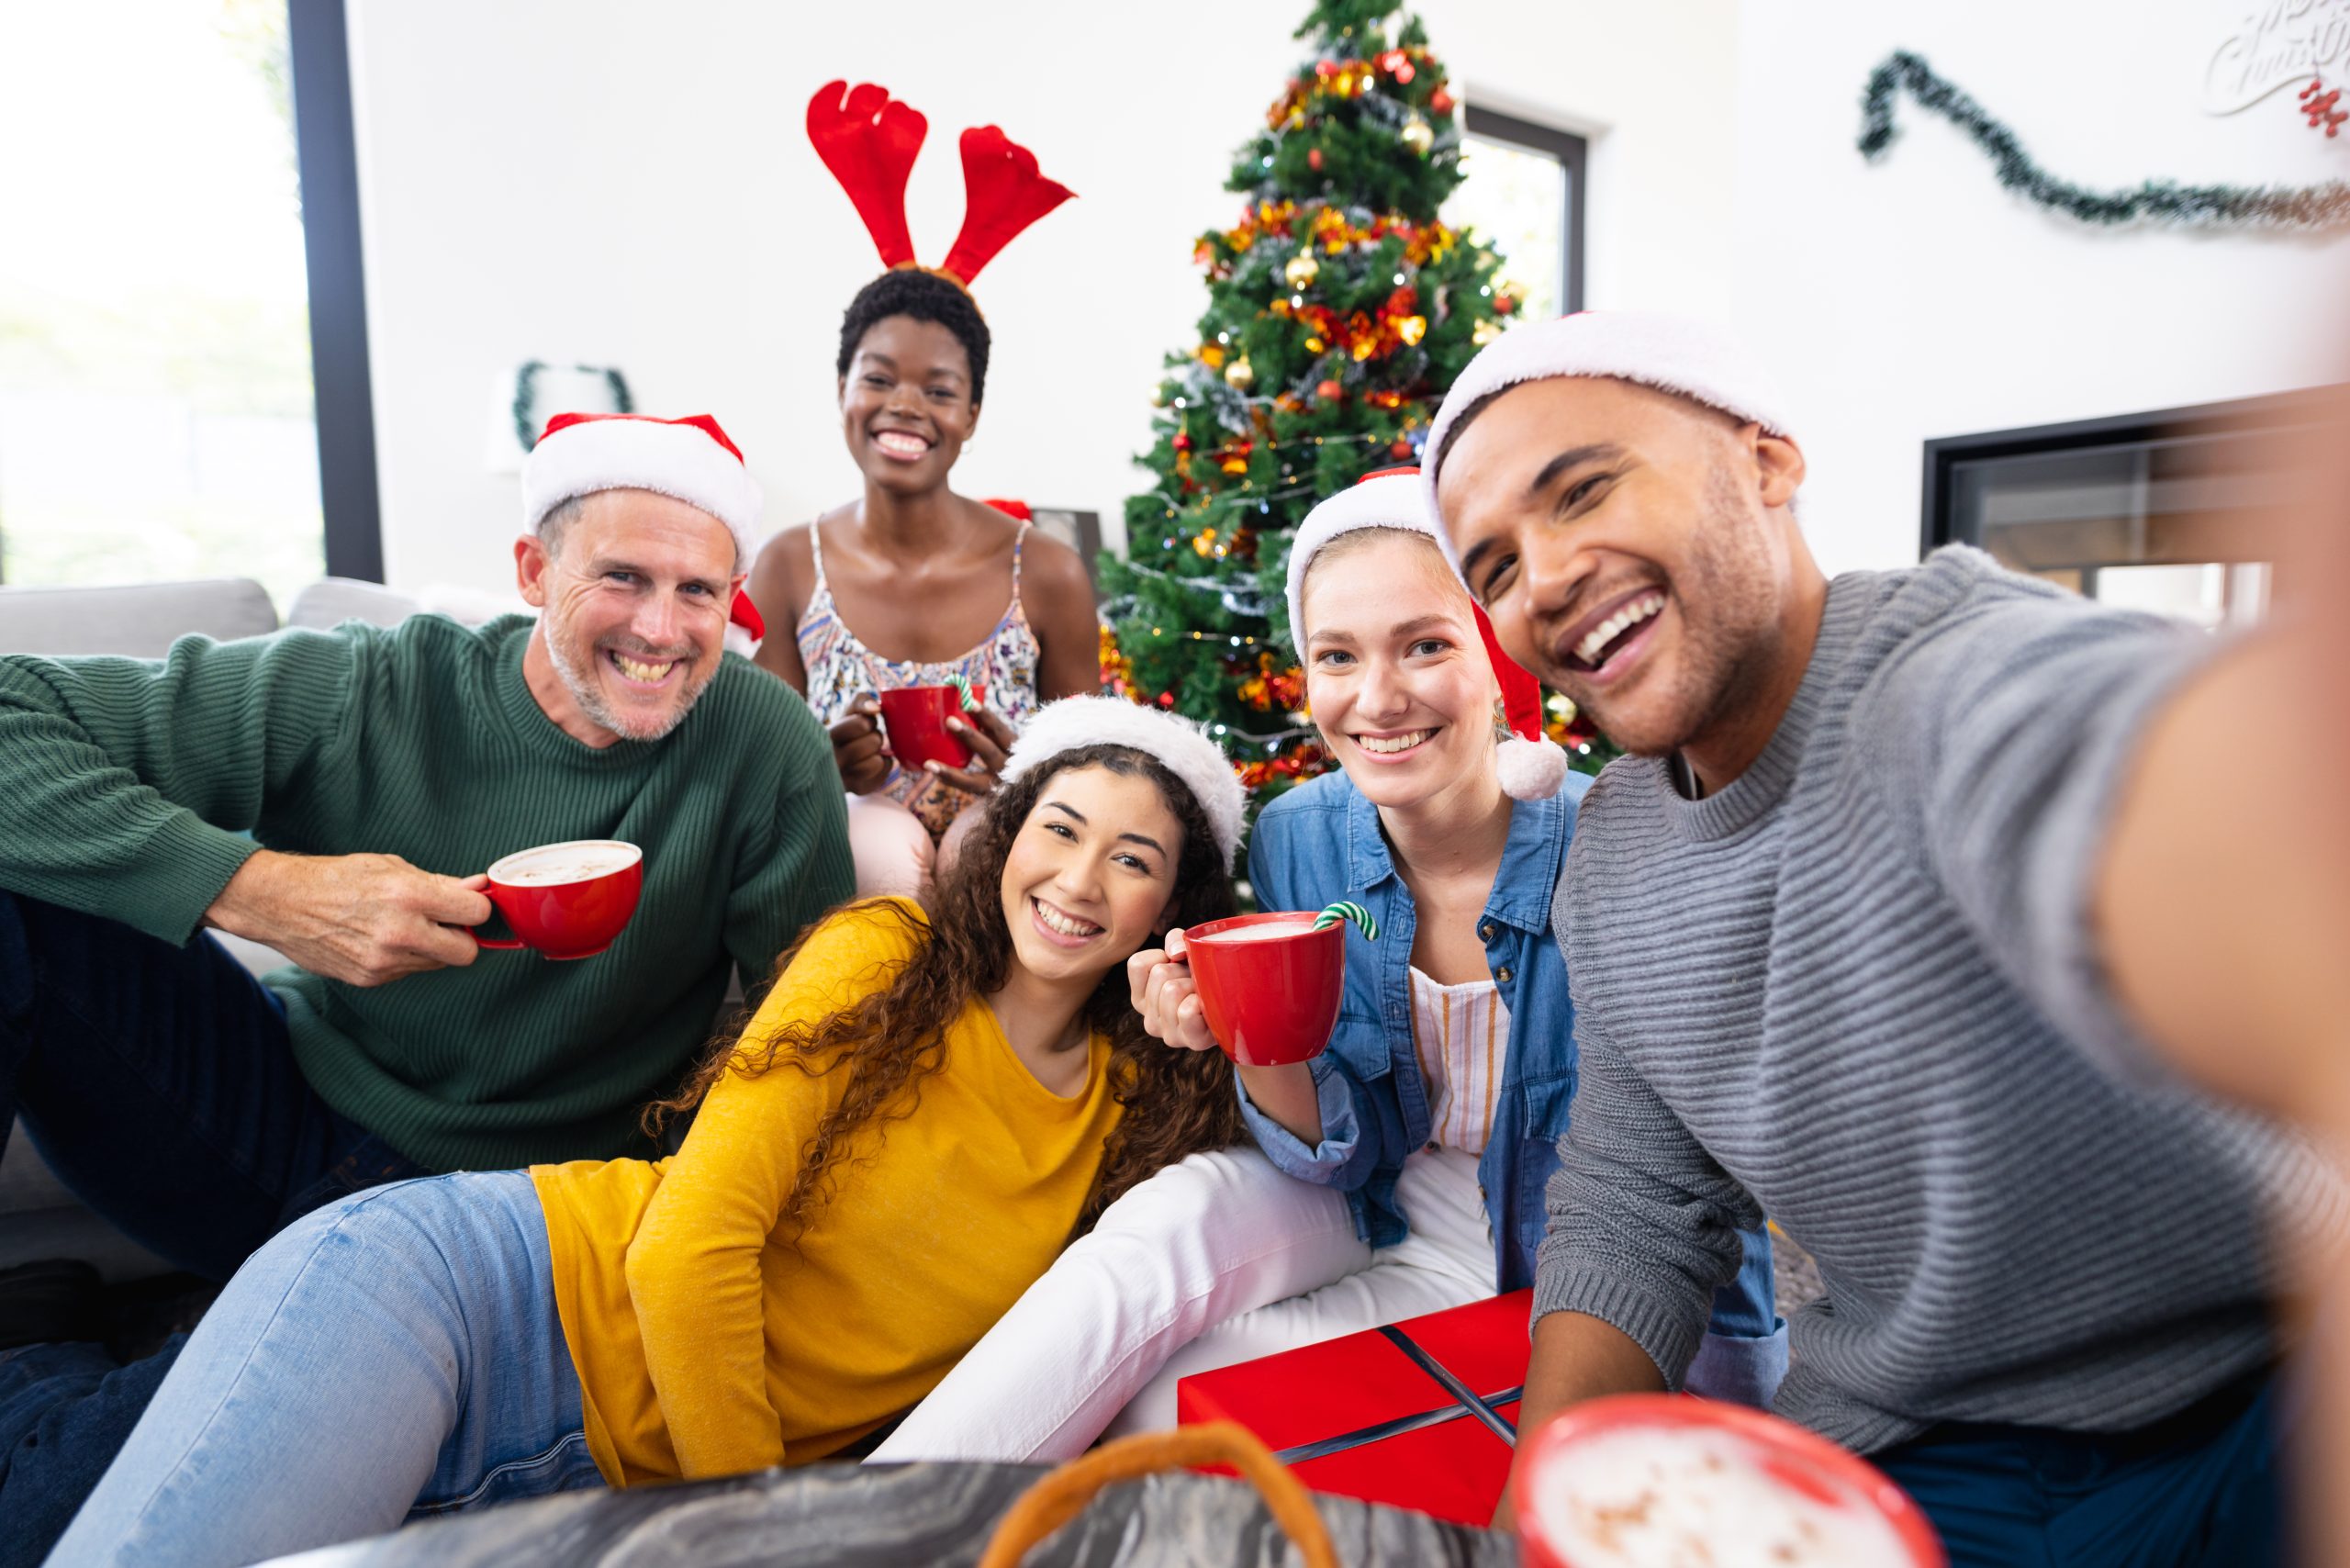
(1270, 984)
(566, 901)
(1651, 1478)
(915, 717)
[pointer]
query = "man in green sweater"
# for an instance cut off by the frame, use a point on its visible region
(338, 795)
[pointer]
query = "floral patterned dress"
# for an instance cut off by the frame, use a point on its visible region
(841, 669)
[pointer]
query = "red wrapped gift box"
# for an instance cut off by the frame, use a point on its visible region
(1419, 1415)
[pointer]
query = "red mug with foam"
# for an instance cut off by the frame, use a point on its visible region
(566, 901)
(915, 717)
(1270, 984)
(1636, 1479)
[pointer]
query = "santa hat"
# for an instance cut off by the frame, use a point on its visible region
(1532, 765)
(689, 460)
(1178, 744)
(869, 140)
(1687, 357)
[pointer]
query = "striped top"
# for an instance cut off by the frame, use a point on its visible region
(1857, 988)
(841, 669)
(1460, 1039)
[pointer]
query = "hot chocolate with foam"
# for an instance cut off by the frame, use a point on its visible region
(559, 863)
(1661, 1497)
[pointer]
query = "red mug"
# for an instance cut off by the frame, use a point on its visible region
(915, 717)
(1270, 984)
(566, 901)
(1840, 1494)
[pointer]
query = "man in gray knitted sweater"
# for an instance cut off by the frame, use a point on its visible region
(1829, 939)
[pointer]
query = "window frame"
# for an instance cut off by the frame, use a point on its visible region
(342, 379)
(1571, 153)
(1942, 455)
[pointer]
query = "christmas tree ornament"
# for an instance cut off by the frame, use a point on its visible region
(1184, 441)
(1412, 328)
(1240, 374)
(1503, 303)
(869, 140)
(1440, 102)
(1302, 270)
(1531, 766)
(1314, 159)
(1483, 333)
(1329, 391)
(1417, 135)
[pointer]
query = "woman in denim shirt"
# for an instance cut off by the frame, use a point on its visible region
(1402, 1170)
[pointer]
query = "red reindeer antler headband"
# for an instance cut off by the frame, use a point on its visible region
(868, 141)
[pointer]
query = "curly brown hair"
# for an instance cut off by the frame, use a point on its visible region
(1176, 1102)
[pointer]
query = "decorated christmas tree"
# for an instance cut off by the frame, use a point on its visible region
(1340, 310)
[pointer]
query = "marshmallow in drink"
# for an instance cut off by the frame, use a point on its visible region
(1694, 1496)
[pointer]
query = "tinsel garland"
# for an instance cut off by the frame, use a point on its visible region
(526, 392)
(2312, 208)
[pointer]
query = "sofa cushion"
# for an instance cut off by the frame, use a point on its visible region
(142, 620)
(330, 601)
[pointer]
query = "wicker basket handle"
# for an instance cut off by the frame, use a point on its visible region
(1060, 1496)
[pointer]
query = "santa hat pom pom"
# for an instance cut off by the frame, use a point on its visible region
(1530, 769)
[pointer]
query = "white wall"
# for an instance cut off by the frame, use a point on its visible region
(1916, 298)
(617, 181)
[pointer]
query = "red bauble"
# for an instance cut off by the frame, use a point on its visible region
(1329, 391)
(1182, 440)
(1401, 451)
(1167, 699)
(1505, 303)
(1326, 68)
(1440, 102)
(1314, 159)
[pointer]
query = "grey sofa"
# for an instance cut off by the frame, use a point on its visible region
(38, 1218)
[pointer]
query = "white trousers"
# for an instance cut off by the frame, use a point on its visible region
(1218, 1259)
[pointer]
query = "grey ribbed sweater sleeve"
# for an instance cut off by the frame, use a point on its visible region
(1643, 1223)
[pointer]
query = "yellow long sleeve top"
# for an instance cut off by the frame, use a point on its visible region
(707, 1344)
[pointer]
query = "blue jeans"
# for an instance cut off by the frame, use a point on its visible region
(2201, 1489)
(394, 1355)
(160, 1085)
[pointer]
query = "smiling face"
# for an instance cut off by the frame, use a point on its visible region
(1634, 549)
(634, 599)
(1395, 672)
(1090, 874)
(906, 407)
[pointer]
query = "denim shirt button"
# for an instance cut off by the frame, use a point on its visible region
(1502, 974)
(1486, 932)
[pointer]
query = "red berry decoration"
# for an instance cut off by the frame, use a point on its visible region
(1314, 159)
(1329, 391)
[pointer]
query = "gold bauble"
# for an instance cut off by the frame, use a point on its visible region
(1417, 136)
(1240, 374)
(1412, 328)
(1302, 270)
(1485, 332)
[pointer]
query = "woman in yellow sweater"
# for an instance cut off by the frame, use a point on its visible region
(922, 1113)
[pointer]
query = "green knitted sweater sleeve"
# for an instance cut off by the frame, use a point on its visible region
(802, 868)
(126, 784)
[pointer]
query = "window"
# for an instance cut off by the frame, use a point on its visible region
(2176, 511)
(1524, 193)
(161, 373)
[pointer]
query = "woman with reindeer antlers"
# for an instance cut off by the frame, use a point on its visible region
(911, 583)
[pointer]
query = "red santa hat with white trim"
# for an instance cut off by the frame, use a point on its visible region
(1179, 744)
(691, 460)
(1681, 355)
(1532, 765)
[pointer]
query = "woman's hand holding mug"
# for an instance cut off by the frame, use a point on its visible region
(1163, 991)
(859, 750)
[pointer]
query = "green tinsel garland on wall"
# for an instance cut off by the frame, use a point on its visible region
(2312, 208)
